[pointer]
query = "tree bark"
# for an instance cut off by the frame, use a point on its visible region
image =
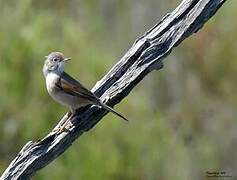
(146, 54)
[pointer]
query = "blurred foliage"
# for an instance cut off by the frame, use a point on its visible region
(183, 118)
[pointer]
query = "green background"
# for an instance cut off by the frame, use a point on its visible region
(183, 118)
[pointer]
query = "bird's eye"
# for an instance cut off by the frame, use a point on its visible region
(55, 59)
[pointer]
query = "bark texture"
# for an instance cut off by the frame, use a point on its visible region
(146, 54)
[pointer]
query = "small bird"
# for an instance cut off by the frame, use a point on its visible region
(66, 90)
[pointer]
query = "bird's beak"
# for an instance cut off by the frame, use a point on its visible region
(66, 59)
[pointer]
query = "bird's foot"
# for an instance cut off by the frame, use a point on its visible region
(67, 126)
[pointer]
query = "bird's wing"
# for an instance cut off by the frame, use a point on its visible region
(74, 88)
(71, 86)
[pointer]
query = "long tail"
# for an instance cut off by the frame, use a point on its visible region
(112, 110)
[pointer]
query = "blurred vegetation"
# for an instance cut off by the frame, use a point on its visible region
(183, 118)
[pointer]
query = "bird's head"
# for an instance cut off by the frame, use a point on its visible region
(54, 62)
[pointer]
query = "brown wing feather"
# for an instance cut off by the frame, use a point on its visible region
(73, 87)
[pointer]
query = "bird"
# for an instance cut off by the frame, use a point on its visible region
(68, 91)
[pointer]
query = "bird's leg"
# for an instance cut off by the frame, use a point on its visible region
(67, 124)
(63, 120)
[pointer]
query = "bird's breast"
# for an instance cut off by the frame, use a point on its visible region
(51, 80)
(62, 97)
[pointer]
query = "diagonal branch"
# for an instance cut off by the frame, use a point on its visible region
(146, 54)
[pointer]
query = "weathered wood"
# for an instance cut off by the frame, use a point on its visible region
(146, 54)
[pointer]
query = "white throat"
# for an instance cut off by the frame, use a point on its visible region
(51, 80)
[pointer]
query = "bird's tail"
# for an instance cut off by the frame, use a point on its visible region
(112, 110)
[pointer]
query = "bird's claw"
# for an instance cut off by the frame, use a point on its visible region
(67, 127)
